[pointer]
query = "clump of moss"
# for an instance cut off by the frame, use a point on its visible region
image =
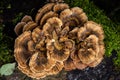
(111, 29)
(5, 47)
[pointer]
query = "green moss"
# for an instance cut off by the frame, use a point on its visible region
(5, 47)
(17, 18)
(111, 29)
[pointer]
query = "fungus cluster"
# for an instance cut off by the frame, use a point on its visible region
(59, 38)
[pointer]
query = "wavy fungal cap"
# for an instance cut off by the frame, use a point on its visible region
(59, 38)
(90, 46)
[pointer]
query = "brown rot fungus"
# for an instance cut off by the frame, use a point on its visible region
(55, 1)
(32, 55)
(58, 46)
(89, 47)
(60, 37)
(70, 17)
(26, 24)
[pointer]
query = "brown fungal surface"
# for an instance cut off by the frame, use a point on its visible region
(21, 53)
(69, 65)
(54, 1)
(56, 68)
(46, 16)
(46, 8)
(19, 28)
(32, 55)
(89, 46)
(26, 24)
(26, 18)
(71, 17)
(60, 7)
(29, 26)
(57, 50)
(60, 37)
(40, 64)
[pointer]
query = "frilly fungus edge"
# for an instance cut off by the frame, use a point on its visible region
(59, 38)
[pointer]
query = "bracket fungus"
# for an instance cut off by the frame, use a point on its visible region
(89, 47)
(59, 37)
(26, 24)
(32, 55)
